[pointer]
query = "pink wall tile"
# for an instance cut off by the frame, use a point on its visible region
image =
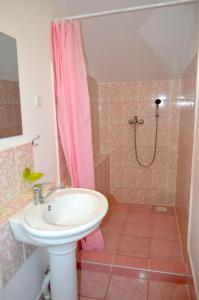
(129, 182)
(9, 185)
(24, 159)
(11, 254)
(186, 106)
(13, 195)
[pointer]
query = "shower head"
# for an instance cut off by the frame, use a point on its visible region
(157, 101)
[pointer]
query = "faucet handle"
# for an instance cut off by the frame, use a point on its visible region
(37, 192)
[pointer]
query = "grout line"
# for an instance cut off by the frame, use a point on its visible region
(134, 268)
(108, 286)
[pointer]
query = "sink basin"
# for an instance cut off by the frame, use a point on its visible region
(66, 216)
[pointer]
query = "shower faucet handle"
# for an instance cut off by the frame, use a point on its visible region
(140, 121)
(135, 120)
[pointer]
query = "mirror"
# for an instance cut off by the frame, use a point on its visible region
(10, 108)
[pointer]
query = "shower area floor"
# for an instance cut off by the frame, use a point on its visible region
(141, 244)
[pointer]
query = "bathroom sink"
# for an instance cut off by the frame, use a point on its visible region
(67, 216)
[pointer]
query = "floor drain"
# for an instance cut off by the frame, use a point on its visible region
(161, 209)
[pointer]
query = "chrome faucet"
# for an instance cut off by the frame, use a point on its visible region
(39, 198)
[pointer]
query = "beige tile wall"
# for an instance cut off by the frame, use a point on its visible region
(10, 109)
(117, 103)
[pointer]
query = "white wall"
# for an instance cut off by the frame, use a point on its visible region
(26, 283)
(29, 23)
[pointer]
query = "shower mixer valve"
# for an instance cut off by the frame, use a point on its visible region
(136, 121)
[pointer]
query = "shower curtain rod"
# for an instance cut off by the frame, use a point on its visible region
(126, 10)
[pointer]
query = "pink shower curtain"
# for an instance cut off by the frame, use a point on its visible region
(73, 111)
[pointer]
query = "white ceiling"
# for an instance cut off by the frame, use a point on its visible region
(145, 45)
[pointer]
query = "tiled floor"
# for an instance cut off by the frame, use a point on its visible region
(103, 286)
(142, 257)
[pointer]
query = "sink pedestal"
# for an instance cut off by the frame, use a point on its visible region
(63, 272)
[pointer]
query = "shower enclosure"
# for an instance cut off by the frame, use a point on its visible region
(142, 132)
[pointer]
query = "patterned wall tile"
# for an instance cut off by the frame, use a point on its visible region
(24, 159)
(11, 254)
(9, 187)
(14, 194)
(122, 101)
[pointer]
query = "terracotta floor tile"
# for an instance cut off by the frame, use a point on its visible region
(126, 288)
(139, 218)
(167, 291)
(116, 216)
(129, 272)
(112, 242)
(85, 298)
(95, 256)
(140, 208)
(114, 227)
(118, 207)
(130, 261)
(166, 250)
(168, 266)
(164, 220)
(167, 277)
(93, 284)
(134, 246)
(162, 231)
(134, 229)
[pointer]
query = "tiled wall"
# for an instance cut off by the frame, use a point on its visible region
(93, 93)
(102, 175)
(117, 103)
(186, 104)
(10, 110)
(12, 195)
(101, 162)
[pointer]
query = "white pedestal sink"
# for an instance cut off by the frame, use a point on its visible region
(66, 216)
